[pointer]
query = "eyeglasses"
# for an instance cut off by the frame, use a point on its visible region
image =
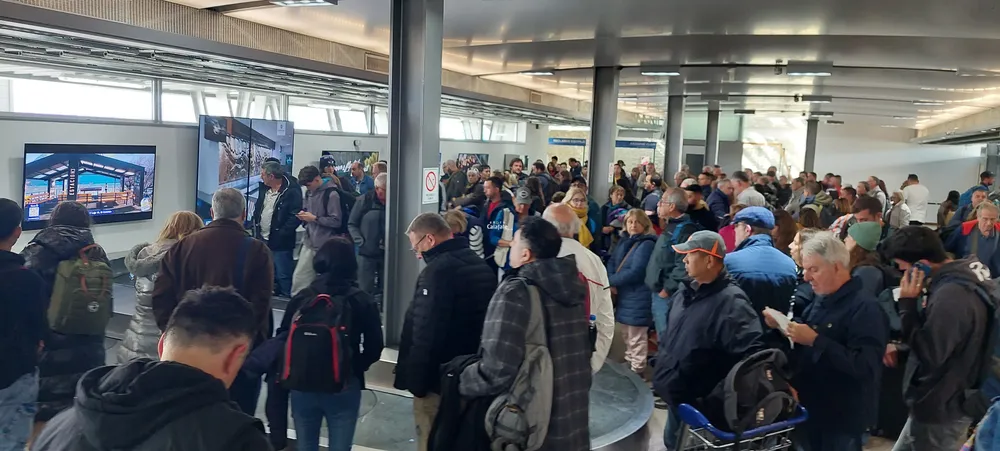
(415, 246)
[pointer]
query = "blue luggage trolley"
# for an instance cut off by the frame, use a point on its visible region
(698, 434)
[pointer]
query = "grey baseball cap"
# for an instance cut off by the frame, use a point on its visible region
(522, 196)
(703, 241)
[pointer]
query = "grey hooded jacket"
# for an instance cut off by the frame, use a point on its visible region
(142, 336)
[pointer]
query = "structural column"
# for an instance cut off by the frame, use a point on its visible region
(674, 132)
(414, 142)
(603, 130)
(712, 139)
(812, 130)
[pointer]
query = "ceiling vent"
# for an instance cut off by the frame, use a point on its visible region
(376, 63)
(535, 97)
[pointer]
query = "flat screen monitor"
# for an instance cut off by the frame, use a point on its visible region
(231, 152)
(115, 183)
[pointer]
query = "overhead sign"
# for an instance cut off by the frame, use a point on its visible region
(429, 189)
(635, 144)
(580, 142)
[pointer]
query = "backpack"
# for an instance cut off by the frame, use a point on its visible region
(81, 302)
(676, 236)
(519, 417)
(755, 393)
(319, 354)
(347, 201)
(828, 215)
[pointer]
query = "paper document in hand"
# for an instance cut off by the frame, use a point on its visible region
(779, 318)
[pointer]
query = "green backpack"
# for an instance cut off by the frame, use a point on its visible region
(81, 296)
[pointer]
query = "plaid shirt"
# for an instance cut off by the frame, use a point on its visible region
(503, 347)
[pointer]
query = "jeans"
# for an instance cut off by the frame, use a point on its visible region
(340, 411)
(917, 436)
(672, 431)
(304, 274)
(244, 392)
(661, 308)
(284, 266)
(17, 412)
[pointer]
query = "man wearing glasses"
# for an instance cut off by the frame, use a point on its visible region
(445, 318)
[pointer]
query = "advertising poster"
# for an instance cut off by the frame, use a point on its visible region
(468, 160)
(343, 159)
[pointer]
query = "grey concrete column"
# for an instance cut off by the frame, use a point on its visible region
(603, 130)
(712, 139)
(812, 130)
(414, 143)
(674, 144)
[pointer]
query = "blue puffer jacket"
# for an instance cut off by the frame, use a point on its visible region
(718, 202)
(634, 307)
(766, 275)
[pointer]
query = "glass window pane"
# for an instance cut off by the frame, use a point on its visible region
(217, 106)
(381, 121)
(89, 98)
(452, 128)
(178, 108)
(353, 121)
(308, 118)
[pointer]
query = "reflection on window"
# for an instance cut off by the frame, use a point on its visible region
(105, 99)
(178, 108)
(309, 118)
(353, 121)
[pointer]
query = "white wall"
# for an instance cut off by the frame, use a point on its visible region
(177, 161)
(856, 152)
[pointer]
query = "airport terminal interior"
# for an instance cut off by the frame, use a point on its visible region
(142, 108)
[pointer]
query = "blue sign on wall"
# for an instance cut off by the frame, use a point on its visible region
(635, 144)
(580, 142)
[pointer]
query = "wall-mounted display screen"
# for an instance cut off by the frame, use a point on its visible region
(115, 183)
(231, 152)
(344, 159)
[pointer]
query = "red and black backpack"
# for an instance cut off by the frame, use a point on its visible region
(319, 354)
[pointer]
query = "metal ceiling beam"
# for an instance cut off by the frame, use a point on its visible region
(241, 6)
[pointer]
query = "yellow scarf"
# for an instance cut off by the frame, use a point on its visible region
(584, 236)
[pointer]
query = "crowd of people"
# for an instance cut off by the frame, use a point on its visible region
(529, 280)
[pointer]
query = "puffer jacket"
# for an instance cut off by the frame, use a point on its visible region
(627, 273)
(142, 335)
(66, 357)
(766, 275)
(367, 226)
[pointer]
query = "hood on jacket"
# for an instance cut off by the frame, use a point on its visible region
(144, 259)
(64, 240)
(558, 278)
(823, 199)
(958, 269)
(120, 407)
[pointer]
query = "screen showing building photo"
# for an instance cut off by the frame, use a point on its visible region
(115, 183)
(231, 152)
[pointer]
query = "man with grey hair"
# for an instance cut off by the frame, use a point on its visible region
(457, 181)
(274, 221)
(720, 199)
(592, 268)
(222, 255)
(445, 318)
(367, 227)
(839, 344)
(666, 267)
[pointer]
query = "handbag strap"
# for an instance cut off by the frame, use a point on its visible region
(634, 245)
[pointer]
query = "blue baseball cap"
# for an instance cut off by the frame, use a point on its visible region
(755, 217)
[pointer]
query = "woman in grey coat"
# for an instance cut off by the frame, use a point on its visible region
(143, 262)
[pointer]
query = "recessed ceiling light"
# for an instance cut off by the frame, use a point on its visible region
(890, 126)
(928, 103)
(809, 68)
(904, 117)
(304, 2)
(538, 73)
(652, 70)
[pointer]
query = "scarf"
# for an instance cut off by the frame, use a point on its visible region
(584, 236)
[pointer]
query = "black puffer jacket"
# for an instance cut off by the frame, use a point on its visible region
(152, 406)
(445, 318)
(66, 357)
(367, 225)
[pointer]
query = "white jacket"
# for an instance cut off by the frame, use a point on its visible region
(600, 298)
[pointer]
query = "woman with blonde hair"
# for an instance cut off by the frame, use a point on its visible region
(143, 262)
(627, 275)
(576, 199)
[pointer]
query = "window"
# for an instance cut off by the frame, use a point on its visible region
(381, 120)
(178, 108)
(353, 121)
(116, 98)
(309, 118)
(500, 131)
(452, 128)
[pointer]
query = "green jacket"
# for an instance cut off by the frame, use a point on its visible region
(666, 267)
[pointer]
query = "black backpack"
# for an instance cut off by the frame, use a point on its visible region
(347, 201)
(754, 394)
(828, 215)
(319, 354)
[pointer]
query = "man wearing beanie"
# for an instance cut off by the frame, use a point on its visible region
(767, 275)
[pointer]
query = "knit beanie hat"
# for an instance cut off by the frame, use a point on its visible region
(866, 234)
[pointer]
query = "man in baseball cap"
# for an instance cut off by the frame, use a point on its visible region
(766, 275)
(711, 327)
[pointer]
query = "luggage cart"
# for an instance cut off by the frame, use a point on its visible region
(698, 434)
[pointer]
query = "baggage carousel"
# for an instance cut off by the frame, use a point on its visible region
(620, 402)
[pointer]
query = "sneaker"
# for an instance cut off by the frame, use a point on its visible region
(659, 403)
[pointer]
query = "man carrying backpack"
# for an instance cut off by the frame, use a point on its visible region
(947, 334)
(711, 327)
(325, 212)
(838, 345)
(536, 348)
